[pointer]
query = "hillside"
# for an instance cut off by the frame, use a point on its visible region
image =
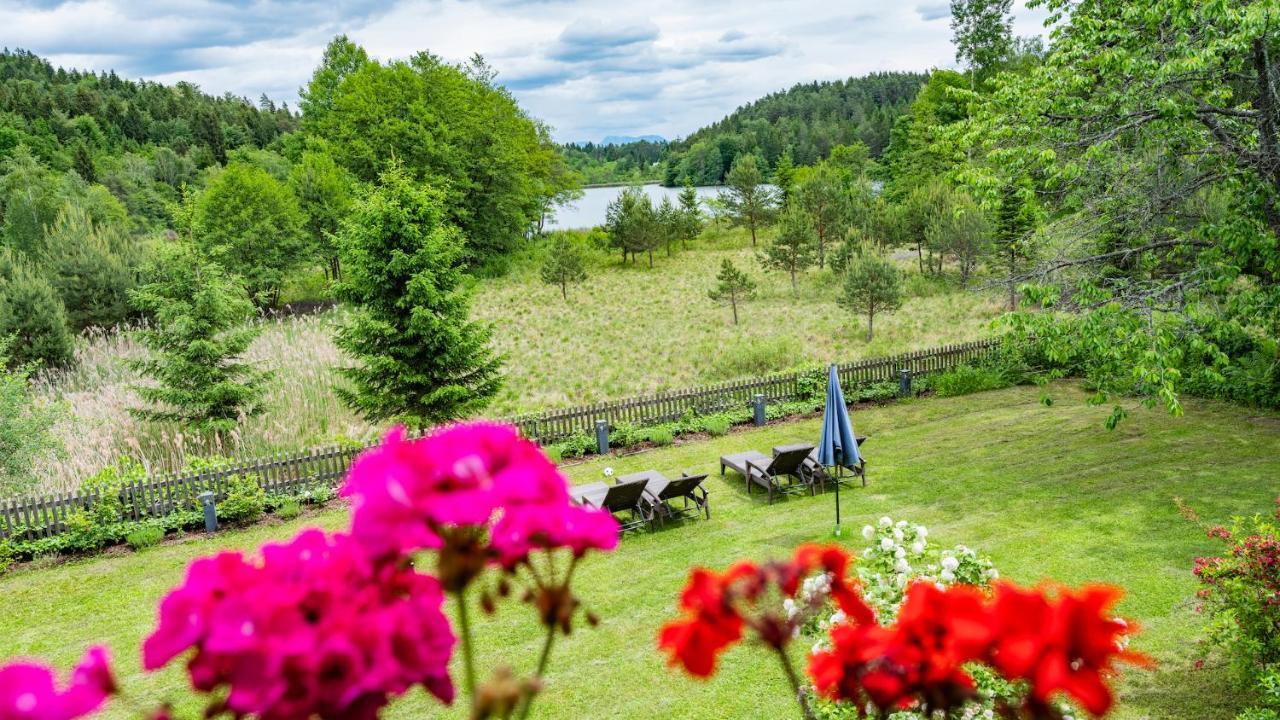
(808, 120)
(140, 139)
(636, 160)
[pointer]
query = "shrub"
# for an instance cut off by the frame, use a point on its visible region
(244, 501)
(144, 536)
(289, 509)
(26, 428)
(660, 436)
(1241, 598)
(7, 555)
(82, 534)
(812, 384)
(966, 379)
(878, 392)
(716, 425)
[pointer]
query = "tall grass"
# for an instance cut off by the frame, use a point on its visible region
(302, 409)
(626, 330)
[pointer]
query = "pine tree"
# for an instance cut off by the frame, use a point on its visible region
(822, 193)
(420, 359)
(632, 224)
(794, 250)
(563, 265)
(197, 337)
(32, 317)
(92, 280)
(732, 286)
(750, 202)
(872, 284)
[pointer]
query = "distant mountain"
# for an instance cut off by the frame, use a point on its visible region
(627, 139)
(806, 120)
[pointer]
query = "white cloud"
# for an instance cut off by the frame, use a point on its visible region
(587, 68)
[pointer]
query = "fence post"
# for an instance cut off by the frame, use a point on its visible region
(602, 437)
(904, 382)
(210, 512)
(758, 404)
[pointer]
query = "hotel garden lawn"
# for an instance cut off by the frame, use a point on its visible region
(1045, 491)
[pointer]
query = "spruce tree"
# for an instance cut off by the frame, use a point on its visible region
(784, 174)
(795, 248)
(32, 317)
(691, 217)
(669, 224)
(563, 264)
(872, 285)
(197, 336)
(82, 161)
(420, 359)
(732, 287)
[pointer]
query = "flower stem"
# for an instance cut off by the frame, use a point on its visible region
(794, 680)
(542, 667)
(468, 658)
(545, 657)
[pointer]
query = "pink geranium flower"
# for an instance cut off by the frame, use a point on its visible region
(313, 628)
(28, 690)
(470, 475)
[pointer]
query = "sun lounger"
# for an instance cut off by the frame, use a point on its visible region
(626, 500)
(767, 472)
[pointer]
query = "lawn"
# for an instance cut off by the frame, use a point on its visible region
(626, 330)
(1046, 491)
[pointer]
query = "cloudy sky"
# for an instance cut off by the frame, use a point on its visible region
(590, 69)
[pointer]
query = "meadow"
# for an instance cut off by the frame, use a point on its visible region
(1046, 491)
(625, 330)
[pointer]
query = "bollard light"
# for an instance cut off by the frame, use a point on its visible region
(904, 383)
(210, 512)
(602, 437)
(758, 403)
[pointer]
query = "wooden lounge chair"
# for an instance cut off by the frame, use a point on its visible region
(688, 492)
(760, 469)
(815, 474)
(627, 501)
(670, 499)
(588, 494)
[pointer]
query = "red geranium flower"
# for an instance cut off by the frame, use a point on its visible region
(710, 624)
(719, 605)
(1068, 644)
(918, 661)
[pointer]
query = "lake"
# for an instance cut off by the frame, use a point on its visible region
(589, 210)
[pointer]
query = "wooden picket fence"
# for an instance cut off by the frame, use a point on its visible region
(297, 473)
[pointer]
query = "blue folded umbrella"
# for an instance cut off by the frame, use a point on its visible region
(837, 447)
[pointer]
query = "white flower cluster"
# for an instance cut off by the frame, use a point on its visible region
(899, 553)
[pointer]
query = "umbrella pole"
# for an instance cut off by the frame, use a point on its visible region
(839, 475)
